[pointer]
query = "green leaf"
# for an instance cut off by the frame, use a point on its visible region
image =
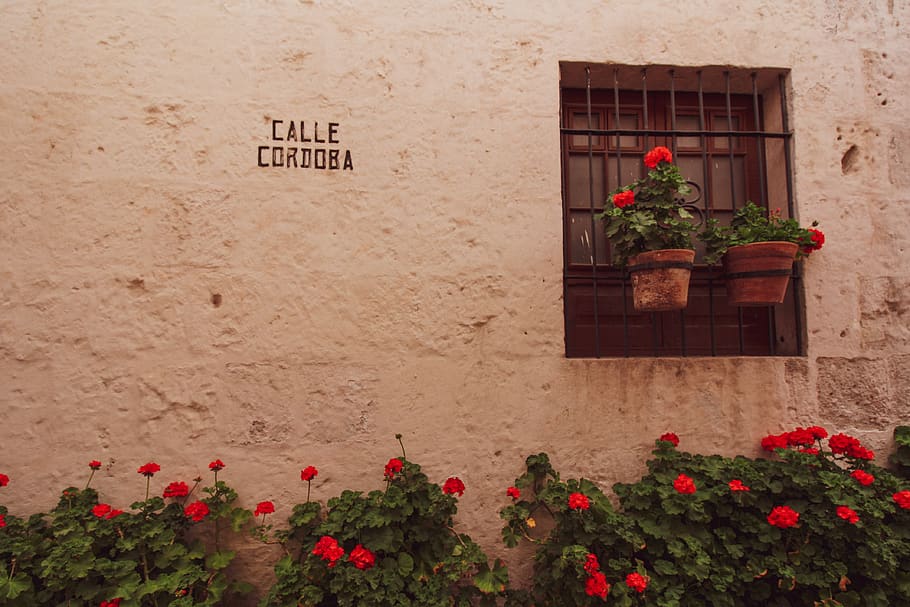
(405, 564)
(219, 560)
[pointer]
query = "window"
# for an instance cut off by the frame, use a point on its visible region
(728, 133)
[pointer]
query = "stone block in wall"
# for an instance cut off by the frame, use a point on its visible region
(885, 311)
(864, 393)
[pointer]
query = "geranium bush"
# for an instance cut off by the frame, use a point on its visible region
(391, 547)
(815, 524)
(86, 552)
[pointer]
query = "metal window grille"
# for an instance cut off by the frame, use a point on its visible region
(600, 320)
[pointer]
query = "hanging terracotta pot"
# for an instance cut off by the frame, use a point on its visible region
(757, 274)
(660, 279)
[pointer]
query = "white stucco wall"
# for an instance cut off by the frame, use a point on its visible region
(421, 291)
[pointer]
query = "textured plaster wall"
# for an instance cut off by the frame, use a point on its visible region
(163, 298)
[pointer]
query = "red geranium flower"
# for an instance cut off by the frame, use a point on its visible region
(848, 514)
(818, 239)
(264, 508)
(111, 603)
(657, 155)
(637, 581)
(176, 489)
(783, 517)
(684, 484)
(737, 485)
(328, 549)
(774, 441)
(624, 199)
(101, 510)
(902, 499)
(842, 443)
(216, 465)
(196, 511)
(800, 437)
(453, 485)
(818, 432)
(114, 513)
(670, 438)
(862, 477)
(579, 501)
(149, 469)
(362, 558)
(2, 521)
(308, 473)
(513, 492)
(809, 450)
(592, 566)
(4, 480)
(393, 467)
(597, 585)
(94, 464)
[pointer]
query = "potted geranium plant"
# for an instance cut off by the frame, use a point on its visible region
(758, 249)
(650, 232)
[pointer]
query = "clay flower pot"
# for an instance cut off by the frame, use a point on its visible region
(660, 279)
(757, 274)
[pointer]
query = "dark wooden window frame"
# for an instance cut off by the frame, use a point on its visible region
(599, 317)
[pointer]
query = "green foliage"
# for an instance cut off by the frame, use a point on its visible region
(420, 560)
(655, 220)
(752, 223)
(901, 457)
(81, 553)
(716, 546)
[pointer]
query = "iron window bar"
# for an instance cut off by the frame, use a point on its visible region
(760, 135)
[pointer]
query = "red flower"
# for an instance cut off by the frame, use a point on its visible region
(657, 155)
(216, 465)
(737, 485)
(111, 603)
(818, 239)
(176, 489)
(597, 585)
(809, 450)
(818, 432)
(637, 581)
(264, 508)
(4, 480)
(114, 513)
(362, 558)
(579, 501)
(800, 436)
(2, 521)
(848, 514)
(308, 473)
(624, 199)
(862, 477)
(670, 438)
(774, 441)
(453, 485)
(94, 464)
(393, 467)
(860, 452)
(783, 517)
(684, 484)
(149, 469)
(592, 566)
(513, 492)
(328, 549)
(196, 511)
(902, 499)
(101, 510)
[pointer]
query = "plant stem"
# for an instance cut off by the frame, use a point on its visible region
(308, 492)
(148, 483)
(89, 481)
(403, 454)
